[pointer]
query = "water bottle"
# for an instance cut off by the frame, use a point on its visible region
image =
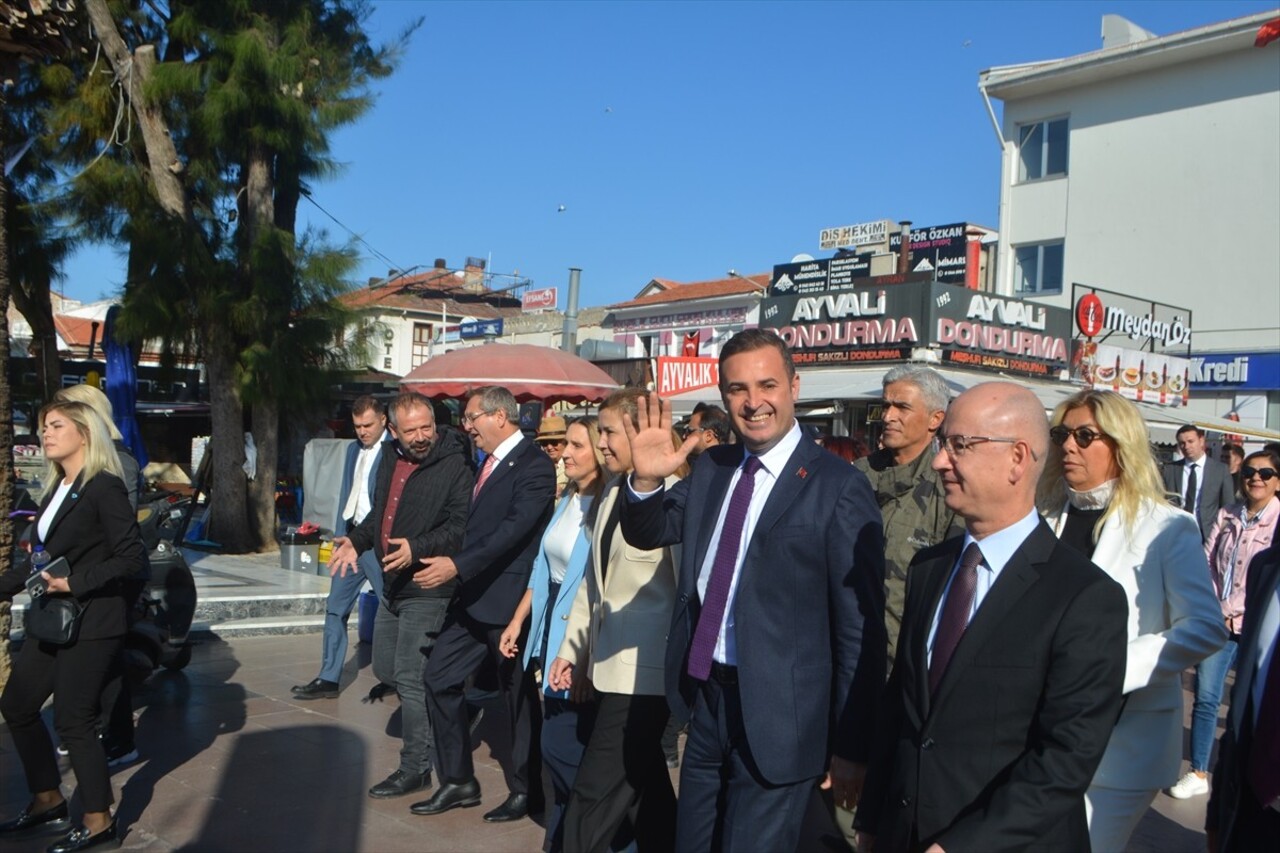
(39, 559)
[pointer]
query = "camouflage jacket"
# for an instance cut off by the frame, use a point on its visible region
(915, 517)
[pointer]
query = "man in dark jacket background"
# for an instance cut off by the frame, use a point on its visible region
(422, 492)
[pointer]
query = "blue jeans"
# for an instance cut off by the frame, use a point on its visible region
(1211, 675)
(403, 635)
(343, 592)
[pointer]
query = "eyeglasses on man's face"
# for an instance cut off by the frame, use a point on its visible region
(1083, 435)
(959, 445)
(470, 419)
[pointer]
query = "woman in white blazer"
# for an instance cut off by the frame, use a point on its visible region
(1101, 493)
(617, 635)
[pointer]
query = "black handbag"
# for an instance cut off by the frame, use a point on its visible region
(53, 619)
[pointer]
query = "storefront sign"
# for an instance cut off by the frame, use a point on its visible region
(938, 249)
(885, 324)
(828, 274)
(1139, 375)
(688, 319)
(542, 299)
(864, 234)
(1094, 317)
(1236, 370)
(481, 329)
(677, 374)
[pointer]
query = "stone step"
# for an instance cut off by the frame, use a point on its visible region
(260, 626)
(214, 608)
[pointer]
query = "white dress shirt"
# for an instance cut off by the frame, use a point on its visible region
(358, 503)
(997, 550)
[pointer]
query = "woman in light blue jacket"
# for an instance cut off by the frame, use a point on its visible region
(568, 715)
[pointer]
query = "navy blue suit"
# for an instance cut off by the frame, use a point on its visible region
(809, 617)
(503, 532)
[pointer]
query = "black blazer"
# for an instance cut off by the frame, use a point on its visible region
(97, 531)
(1001, 757)
(503, 532)
(1229, 784)
(809, 608)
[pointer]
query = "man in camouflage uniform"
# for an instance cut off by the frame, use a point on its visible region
(906, 486)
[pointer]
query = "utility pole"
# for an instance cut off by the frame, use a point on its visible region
(569, 339)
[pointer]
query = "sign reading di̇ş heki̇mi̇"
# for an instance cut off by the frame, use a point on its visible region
(686, 373)
(884, 324)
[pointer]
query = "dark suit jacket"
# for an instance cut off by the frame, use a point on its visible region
(503, 532)
(1001, 757)
(1229, 784)
(1216, 489)
(809, 608)
(97, 531)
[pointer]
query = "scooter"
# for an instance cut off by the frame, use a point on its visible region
(161, 618)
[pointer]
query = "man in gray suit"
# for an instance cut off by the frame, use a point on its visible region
(1203, 485)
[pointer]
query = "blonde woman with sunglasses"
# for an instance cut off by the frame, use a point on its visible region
(1101, 493)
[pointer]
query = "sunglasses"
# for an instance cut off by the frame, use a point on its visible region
(1264, 474)
(1083, 436)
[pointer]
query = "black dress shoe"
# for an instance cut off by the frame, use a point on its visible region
(516, 807)
(317, 688)
(30, 823)
(81, 839)
(400, 783)
(450, 795)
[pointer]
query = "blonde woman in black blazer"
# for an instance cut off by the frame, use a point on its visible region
(85, 517)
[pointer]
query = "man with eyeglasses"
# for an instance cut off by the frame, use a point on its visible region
(1203, 485)
(1010, 663)
(711, 425)
(510, 506)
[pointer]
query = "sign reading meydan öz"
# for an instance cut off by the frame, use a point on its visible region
(970, 328)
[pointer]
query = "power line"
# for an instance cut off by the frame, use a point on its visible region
(390, 263)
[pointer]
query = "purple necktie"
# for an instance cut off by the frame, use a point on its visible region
(955, 614)
(704, 636)
(1264, 754)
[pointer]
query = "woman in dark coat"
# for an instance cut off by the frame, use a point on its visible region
(85, 517)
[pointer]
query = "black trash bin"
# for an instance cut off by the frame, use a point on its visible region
(300, 552)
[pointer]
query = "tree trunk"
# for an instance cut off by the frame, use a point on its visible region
(228, 516)
(33, 302)
(6, 400)
(262, 489)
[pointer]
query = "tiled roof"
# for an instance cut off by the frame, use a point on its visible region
(426, 291)
(76, 331)
(677, 292)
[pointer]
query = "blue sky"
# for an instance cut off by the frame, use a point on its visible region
(682, 138)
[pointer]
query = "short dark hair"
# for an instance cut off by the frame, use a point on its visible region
(1233, 449)
(716, 420)
(1190, 428)
(1270, 455)
(406, 400)
(754, 339)
(367, 403)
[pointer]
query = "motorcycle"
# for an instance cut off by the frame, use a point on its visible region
(161, 619)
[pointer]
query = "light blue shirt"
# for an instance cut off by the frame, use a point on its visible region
(997, 549)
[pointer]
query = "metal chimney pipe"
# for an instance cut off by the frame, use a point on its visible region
(904, 248)
(569, 339)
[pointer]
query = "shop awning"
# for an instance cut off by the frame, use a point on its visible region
(822, 385)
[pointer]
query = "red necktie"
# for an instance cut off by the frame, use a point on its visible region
(955, 614)
(704, 636)
(485, 470)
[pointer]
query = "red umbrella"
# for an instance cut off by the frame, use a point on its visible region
(529, 372)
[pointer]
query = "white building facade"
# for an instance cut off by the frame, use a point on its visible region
(1151, 168)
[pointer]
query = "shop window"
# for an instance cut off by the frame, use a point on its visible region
(1042, 149)
(1038, 268)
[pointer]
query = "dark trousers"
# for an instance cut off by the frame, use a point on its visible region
(725, 804)
(74, 675)
(1256, 828)
(403, 635)
(623, 778)
(566, 729)
(464, 645)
